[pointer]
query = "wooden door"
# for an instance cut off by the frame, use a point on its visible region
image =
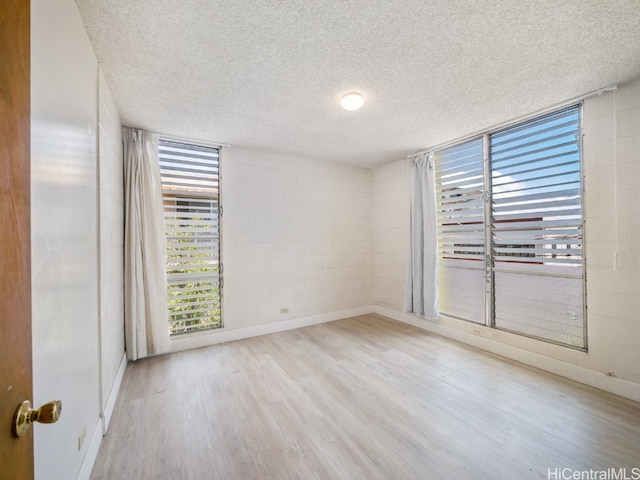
(16, 454)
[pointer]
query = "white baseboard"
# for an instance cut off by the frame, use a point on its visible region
(102, 425)
(92, 453)
(557, 366)
(113, 395)
(205, 339)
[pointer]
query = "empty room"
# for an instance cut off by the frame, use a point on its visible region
(320, 240)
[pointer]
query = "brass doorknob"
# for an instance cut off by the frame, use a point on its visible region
(25, 415)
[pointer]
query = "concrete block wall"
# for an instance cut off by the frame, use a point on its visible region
(111, 246)
(390, 233)
(297, 239)
(612, 209)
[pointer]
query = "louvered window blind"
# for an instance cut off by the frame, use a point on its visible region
(536, 223)
(461, 225)
(190, 187)
(517, 215)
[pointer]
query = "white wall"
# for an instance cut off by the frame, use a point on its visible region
(296, 235)
(613, 295)
(390, 233)
(72, 257)
(612, 184)
(111, 281)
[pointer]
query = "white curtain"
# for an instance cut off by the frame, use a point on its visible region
(146, 317)
(421, 295)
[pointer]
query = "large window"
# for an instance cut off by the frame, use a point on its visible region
(190, 187)
(511, 229)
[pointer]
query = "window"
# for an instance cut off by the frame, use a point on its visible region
(461, 239)
(190, 188)
(511, 229)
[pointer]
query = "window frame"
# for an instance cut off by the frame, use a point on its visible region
(183, 197)
(489, 317)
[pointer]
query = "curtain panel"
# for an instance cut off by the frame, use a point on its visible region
(146, 317)
(421, 293)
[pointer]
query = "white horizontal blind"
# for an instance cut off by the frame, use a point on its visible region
(536, 225)
(190, 185)
(461, 226)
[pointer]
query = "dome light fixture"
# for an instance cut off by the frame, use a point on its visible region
(352, 101)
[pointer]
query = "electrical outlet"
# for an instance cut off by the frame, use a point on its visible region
(284, 310)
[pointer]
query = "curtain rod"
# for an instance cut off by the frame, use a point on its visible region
(523, 118)
(177, 138)
(204, 143)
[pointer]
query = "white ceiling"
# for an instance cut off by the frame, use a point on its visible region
(268, 74)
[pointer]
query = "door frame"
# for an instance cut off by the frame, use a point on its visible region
(16, 383)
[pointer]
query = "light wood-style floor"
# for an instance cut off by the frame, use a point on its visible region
(363, 398)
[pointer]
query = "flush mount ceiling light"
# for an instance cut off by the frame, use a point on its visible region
(352, 101)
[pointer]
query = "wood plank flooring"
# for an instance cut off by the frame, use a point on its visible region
(362, 398)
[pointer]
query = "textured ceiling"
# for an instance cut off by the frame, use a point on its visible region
(268, 74)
